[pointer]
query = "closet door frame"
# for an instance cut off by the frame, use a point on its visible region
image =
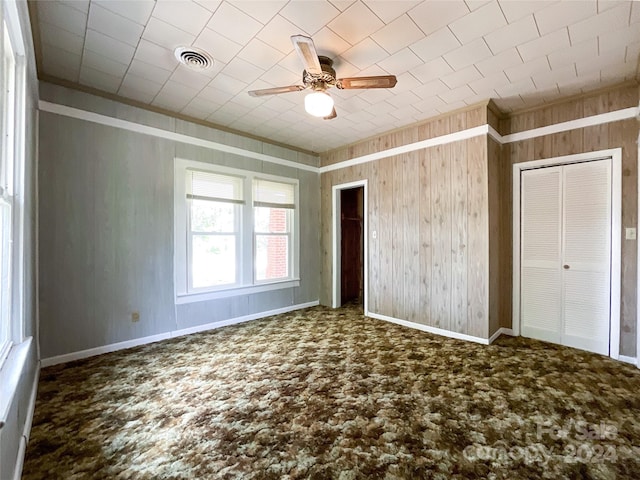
(616, 234)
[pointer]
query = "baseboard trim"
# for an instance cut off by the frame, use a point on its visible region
(113, 347)
(501, 331)
(428, 329)
(26, 431)
(625, 359)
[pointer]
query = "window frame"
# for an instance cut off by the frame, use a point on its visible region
(245, 263)
(12, 177)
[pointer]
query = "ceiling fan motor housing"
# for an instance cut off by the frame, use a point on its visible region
(321, 81)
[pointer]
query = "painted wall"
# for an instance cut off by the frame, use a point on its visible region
(107, 226)
(622, 134)
(429, 261)
(11, 434)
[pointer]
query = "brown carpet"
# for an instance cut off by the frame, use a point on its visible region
(330, 394)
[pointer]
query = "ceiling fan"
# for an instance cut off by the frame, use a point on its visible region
(319, 76)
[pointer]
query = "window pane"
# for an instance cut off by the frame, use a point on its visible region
(5, 257)
(209, 216)
(272, 257)
(213, 260)
(271, 220)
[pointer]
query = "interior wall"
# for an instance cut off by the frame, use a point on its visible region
(107, 226)
(429, 260)
(622, 134)
(11, 433)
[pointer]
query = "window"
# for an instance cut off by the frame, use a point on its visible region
(235, 231)
(11, 172)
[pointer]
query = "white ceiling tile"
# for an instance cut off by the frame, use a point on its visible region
(461, 77)
(527, 69)
(364, 54)
(433, 15)
(138, 11)
(292, 63)
(476, 4)
(232, 109)
(220, 48)
(400, 62)
(190, 78)
(355, 23)
(468, 54)
(478, 23)
(619, 38)
(278, 76)
(113, 25)
(534, 67)
(512, 35)
(108, 47)
(552, 42)
(388, 11)
(229, 84)
(436, 44)
(100, 80)
(431, 70)
(500, 62)
(605, 61)
(633, 53)
(260, 54)
(330, 44)
(61, 38)
(242, 70)
(509, 104)
(515, 88)
(165, 35)
(103, 64)
(562, 14)
(310, 15)
(156, 55)
(137, 88)
(62, 16)
(376, 95)
(611, 20)
(574, 53)
(404, 99)
(635, 12)
(516, 9)
(216, 95)
(430, 89)
(174, 96)
(185, 15)
(263, 10)
(278, 32)
(280, 103)
(550, 79)
(211, 5)
(407, 112)
(479, 98)
(342, 5)
(430, 103)
(60, 63)
(234, 24)
(489, 83)
(457, 94)
(398, 34)
(82, 5)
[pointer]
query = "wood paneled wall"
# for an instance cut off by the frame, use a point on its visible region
(622, 134)
(429, 209)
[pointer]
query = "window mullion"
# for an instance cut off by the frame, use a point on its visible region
(247, 252)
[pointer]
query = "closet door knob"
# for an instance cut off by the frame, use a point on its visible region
(566, 267)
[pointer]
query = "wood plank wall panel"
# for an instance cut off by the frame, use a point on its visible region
(498, 246)
(459, 236)
(397, 240)
(411, 234)
(622, 134)
(426, 241)
(385, 236)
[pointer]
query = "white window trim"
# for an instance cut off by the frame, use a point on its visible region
(247, 283)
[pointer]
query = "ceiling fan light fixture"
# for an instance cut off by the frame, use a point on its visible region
(318, 104)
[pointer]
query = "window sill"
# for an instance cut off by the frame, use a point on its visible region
(10, 374)
(235, 292)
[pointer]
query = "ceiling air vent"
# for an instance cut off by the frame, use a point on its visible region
(194, 58)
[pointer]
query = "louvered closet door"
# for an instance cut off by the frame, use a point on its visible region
(565, 275)
(540, 256)
(586, 260)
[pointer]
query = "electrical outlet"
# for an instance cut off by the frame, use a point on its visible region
(135, 316)
(630, 233)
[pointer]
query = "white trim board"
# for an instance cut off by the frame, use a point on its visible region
(26, 431)
(616, 234)
(625, 359)
(77, 113)
(336, 236)
(91, 352)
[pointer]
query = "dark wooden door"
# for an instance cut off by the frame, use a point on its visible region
(352, 248)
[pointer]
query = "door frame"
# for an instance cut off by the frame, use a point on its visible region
(336, 235)
(616, 234)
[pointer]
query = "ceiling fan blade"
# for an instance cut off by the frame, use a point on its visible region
(382, 81)
(307, 53)
(276, 90)
(332, 115)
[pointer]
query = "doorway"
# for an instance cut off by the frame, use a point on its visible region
(352, 245)
(567, 251)
(350, 280)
